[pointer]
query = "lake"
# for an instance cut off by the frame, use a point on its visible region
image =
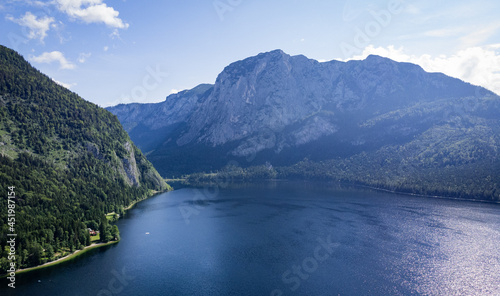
(288, 238)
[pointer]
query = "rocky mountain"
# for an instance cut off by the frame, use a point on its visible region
(280, 109)
(68, 161)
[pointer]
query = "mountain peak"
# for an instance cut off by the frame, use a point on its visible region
(254, 64)
(276, 52)
(373, 58)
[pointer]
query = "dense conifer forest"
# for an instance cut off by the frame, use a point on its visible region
(69, 163)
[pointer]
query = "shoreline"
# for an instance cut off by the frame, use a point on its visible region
(77, 253)
(347, 183)
(151, 194)
(444, 197)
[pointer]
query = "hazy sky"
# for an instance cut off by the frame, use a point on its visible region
(122, 51)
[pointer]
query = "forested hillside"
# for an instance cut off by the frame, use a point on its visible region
(70, 162)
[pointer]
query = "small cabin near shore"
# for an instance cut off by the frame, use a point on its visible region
(93, 232)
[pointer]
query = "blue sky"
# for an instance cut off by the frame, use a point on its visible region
(119, 51)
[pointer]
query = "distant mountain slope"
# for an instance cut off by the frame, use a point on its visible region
(282, 109)
(149, 124)
(69, 160)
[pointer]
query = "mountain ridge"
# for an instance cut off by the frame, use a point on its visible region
(281, 109)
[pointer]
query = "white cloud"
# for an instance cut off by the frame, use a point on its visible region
(54, 56)
(467, 35)
(66, 85)
(38, 27)
(447, 32)
(92, 11)
(106, 48)
(83, 57)
(480, 34)
(115, 34)
(476, 65)
(174, 91)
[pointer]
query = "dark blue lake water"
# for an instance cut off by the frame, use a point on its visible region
(288, 238)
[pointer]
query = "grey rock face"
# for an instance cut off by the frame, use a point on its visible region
(129, 166)
(274, 102)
